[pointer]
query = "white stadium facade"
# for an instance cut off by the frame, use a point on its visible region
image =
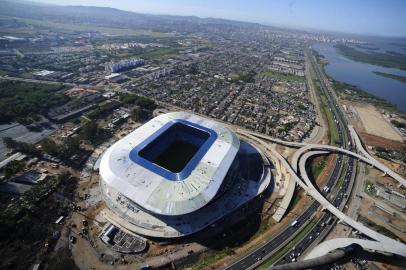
(178, 174)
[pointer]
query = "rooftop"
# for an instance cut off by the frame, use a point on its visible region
(173, 164)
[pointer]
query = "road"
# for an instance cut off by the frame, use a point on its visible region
(343, 139)
(256, 255)
(8, 78)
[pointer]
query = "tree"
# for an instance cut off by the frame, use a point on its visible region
(71, 147)
(9, 142)
(143, 102)
(194, 69)
(25, 148)
(139, 114)
(89, 131)
(93, 133)
(12, 168)
(50, 147)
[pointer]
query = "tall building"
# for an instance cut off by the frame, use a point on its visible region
(123, 65)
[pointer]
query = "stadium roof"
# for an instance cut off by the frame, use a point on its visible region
(173, 164)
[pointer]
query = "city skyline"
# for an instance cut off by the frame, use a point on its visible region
(356, 17)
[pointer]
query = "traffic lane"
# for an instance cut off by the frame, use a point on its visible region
(276, 242)
(312, 235)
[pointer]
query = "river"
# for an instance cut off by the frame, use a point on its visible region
(361, 74)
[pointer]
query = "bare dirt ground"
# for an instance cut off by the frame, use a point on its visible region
(371, 121)
(394, 166)
(380, 141)
(385, 180)
(279, 87)
(323, 176)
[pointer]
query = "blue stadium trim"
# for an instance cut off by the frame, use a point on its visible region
(190, 166)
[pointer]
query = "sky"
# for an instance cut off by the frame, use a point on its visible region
(376, 17)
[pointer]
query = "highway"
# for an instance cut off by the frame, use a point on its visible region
(271, 245)
(382, 243)
(327, 221)
(276, 242)
(346, 138)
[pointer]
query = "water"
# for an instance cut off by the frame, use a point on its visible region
(361, 74)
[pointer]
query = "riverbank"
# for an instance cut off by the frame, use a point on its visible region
(362, 81)
(391, 60)
(392, 76)
(352, 92)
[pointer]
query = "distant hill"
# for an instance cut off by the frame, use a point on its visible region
(104, 16)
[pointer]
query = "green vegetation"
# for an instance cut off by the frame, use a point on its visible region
(28, 222)
(12, 168)
(340, 181)
(392, 76)
(194, 69)
(248, 77)
(275, 257)
(102, 110)
(398, 124)
(324, 107)
(138, 114)
(317, 167)
(332, 127)
(375, 58)
(352, 92)
(158, 53)
(28, 200)
(378, 228)
(390, 154)
(91, 132)
(89, 27)
(283, 77)
(296, 200)
(369, 187)
(25, 148)
(210, 257)
(20, 101)
(143, 102)
(64, 151)
(143, 106)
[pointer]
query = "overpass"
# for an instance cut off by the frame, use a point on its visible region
(381, 242)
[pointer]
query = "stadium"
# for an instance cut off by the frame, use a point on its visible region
(178, 174)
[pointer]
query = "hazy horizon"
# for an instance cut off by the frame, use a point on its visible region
(354, 17)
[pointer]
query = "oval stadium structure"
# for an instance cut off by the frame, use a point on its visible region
(178, 174)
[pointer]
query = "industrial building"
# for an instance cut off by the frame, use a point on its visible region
(178, 174)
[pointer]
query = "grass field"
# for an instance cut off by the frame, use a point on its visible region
(88, 27)
(332, 128)
(158, 53)
(283, 77)
(209, 258)
(318, 166)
